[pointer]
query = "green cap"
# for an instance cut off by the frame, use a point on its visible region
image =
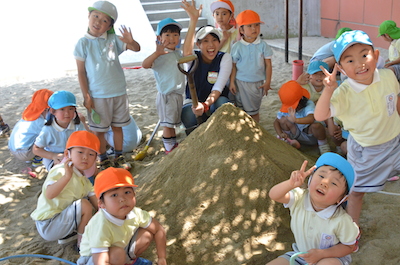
(389, 27)
(341, 31)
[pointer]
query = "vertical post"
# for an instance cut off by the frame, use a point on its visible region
(300, 29)
(287, 31)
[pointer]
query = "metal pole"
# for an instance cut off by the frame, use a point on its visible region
(300, 29)
(287, 31)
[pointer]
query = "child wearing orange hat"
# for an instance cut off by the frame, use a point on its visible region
(295, 120)
(223, 14)
(62, 210)
(28, 128)
(120, 232)
(252, 68)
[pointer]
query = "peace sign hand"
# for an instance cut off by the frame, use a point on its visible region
(297, 177)
(330, 78)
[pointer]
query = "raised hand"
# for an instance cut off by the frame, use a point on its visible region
(330, 78)
(297, 177)
(191, 9)
(126, 34)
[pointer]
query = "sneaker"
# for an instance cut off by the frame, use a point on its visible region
(121, 163)
(105, 164)
(110, 151)
(69, 238)
(292, 142)
(5, 130)
(140, 261)
(325, 148)
(37, 161)
(175, 146)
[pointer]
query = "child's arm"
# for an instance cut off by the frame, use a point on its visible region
(322, 109)
(303, 79)
(225, 36)
(268, 73)
(83, 83)
(127, 38)
(93, 200)
(148, 62)
(337, 251)
(280, 192)
(55, 189)
(232, 84)
(160, 239)
(278, 129)
(56, 157)
(398, 105)
(309, 119)
(194, 15)
(390, 63)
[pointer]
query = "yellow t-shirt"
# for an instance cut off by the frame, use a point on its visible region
(314, 95)
(394, 50)
(232, 39)
(105, 230)
(77, 188)
(369, 113)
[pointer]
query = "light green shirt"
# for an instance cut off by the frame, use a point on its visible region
(314, 95)
(319, 230)
(104, 231)
(394, 50)
(77, 188)
(369, 113)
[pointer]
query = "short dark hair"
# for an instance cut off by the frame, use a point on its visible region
(171, 28)
(302, 103)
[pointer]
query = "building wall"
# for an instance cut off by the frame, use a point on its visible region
(364, 15)
(272, 12)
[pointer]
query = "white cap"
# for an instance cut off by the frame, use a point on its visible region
(204, 31)
(106, 8)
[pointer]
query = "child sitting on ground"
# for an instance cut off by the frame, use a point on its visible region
(120, 232)
(252, 68)
(295, 120)
(170, 81)
(223, 14)
(321, 227)
(63, 209)
(391, 33)
(61, 123)
(28, 128)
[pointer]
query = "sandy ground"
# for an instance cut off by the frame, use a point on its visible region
(210, 194)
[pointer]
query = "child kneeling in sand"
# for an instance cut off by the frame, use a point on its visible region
(320, 226)
(62, 210)
(119, 232)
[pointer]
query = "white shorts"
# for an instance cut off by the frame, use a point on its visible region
(303, 137)
(169, 108)
(62, 224)
(373, 165)
(249, 96)
(23, 155)
(113, 112)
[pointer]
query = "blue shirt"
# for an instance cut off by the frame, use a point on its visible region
(24, 134)
(325, 51)
(304, 112)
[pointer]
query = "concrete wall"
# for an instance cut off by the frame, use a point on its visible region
(272, 12)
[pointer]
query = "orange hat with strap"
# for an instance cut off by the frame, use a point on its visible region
(290, 94)
(111, 178)
(38, 105)
(222, 4)
(84, 139)
(248, 17)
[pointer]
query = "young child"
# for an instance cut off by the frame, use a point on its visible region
(295, 120)
(321, 227)
(28, 128)
(252, 68)
(170, 81)
(120, 232)
(223, 14)
(367, 103)
(62, 122)
(102, 79)
(391, 33)
(62, 210)
(4, 128)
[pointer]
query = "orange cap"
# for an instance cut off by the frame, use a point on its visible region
(248, 17)
(84, 139)
(38, 105)
(222, 4)
(111, 178)
(290, 94)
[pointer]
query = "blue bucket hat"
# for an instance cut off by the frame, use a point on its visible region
(165, 22)
(61, 99)
(347, 39)
(338, 162)
(313, 67)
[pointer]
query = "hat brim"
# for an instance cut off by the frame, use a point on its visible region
(203, 32)
(220, 4)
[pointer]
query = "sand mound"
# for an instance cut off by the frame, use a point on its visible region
(212, 192)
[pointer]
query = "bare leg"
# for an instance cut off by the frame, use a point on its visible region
(118, 137)
(354, 205)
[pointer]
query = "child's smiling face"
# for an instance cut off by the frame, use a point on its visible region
(99, 23)
(172, 39)
(317, 79)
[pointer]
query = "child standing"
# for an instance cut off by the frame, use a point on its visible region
(367, 103)
(170, 81)
(223, 14)
(295, 120)
(120, 232)
(28, 128)
(252, 68)
(102, 79)
(62, 210)
(321, 227)
(391, 33)
(62, 122)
